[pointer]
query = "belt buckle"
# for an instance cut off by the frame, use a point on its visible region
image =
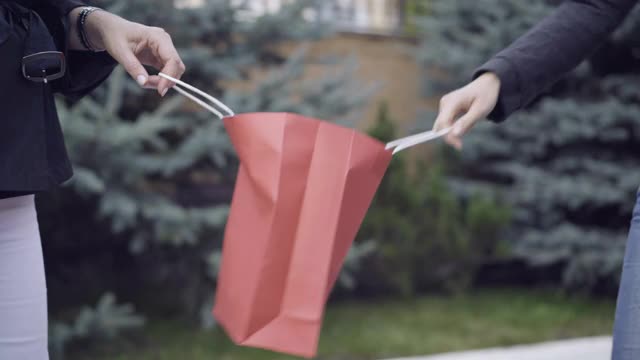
(36, 67)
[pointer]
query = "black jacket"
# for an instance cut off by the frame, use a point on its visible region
(33, 157)
(552, 48)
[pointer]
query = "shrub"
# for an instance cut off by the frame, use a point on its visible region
(426, 238)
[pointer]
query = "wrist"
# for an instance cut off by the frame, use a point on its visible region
(95, 24)
(490, 78)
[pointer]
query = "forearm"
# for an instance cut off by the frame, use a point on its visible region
(552, 48)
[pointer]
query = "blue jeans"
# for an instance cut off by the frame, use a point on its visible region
(626, 330)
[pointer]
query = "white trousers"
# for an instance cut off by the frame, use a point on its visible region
(23, 291)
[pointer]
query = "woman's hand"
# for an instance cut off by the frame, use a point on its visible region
(132, 45)
(462, 108)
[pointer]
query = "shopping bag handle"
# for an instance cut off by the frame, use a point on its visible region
(182, 87)
(397, 145)
(412, 140)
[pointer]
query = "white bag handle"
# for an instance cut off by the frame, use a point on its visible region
(412, 140)
(181, 84)
(396, 145)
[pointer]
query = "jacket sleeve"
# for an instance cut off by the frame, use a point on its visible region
(552, 48)
(85, 70)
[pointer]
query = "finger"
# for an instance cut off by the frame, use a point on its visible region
(454, 141)
(152, 82)
(450, 106)
(129, 61)
(167, 54)
(465, 122)
(174, 69)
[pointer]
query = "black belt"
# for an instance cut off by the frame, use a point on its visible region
(41, 62)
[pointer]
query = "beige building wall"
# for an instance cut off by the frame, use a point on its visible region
(386, 60)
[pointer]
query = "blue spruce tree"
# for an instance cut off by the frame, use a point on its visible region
(153, 177)
(568, 164)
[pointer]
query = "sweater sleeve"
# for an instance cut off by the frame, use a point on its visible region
(551, 49)
(85, 70)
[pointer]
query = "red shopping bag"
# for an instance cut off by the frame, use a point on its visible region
(302, 191)
(303, 188)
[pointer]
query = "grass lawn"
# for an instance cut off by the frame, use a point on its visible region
(374, 330)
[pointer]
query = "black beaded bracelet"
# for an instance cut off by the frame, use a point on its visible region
(82, 18)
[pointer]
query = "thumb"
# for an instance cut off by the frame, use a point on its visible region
(132, 65)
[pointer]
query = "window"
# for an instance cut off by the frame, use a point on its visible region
(361, 16)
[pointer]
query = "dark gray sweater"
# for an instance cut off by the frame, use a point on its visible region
(552, 48)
